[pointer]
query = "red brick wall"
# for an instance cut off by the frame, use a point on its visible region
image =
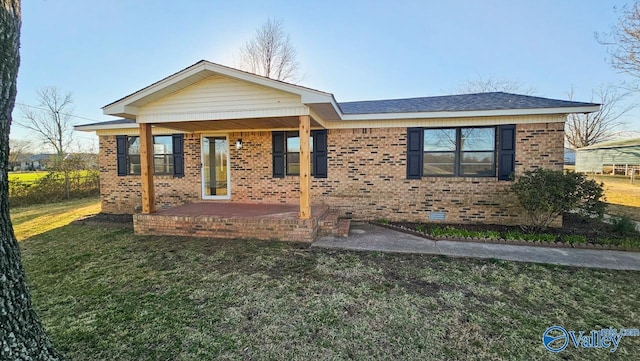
(367, 177)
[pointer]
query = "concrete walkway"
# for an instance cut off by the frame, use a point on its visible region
(367, 237)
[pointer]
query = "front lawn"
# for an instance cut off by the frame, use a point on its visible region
(105, 294)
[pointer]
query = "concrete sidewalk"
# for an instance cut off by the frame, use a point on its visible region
(367, 237)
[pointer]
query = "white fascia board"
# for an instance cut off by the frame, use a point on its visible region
(123, 106)
(472, 113)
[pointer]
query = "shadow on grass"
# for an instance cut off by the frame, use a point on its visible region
(620, 210)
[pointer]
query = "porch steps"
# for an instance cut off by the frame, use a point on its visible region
(330, 224)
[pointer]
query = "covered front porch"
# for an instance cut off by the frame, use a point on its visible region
(217, 108)
(241, 220)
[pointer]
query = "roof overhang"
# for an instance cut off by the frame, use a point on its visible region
(128, 107)
(471, 113)
(98, 126)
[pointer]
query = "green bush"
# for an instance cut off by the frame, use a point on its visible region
(52, 188)
(623, 225)
(546, 194)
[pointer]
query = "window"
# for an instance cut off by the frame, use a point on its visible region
(477, 152)
(133, 155)
(439, 152)
(286, 153)
(292, 156)
(167, 155)
(461, 152)
(162, 154)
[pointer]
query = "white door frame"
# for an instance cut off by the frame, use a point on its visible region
(202, 164)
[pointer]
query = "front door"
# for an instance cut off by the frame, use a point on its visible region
(215, 168)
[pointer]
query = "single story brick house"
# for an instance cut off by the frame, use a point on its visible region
(212, 138)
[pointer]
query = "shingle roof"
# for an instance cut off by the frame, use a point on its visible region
(120, 121)
(450, 103)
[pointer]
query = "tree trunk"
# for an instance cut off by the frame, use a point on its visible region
(22, 336)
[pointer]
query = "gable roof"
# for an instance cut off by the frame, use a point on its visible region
(453, 103)
(324, 106)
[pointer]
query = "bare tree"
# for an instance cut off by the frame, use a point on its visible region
(490, 84)
(624, 42)
(270, 53)
(51, 119)
(18, 149)
(22, 336)
(590, 128)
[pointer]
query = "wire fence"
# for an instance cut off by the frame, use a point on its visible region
(53, 187)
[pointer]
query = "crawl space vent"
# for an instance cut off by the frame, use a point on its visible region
(437, 216)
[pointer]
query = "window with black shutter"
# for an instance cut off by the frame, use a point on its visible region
(286, 153)
(168, 155)
(461, 152)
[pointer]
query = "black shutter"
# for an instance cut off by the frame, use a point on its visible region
(178, 155)
(121, 151)
(319, 153)
(277, 146)
(506, 151)
(415, 149)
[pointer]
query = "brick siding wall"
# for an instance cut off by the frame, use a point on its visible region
(366, 177)
(122, 195)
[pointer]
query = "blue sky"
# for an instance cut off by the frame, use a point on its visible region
(101, 51)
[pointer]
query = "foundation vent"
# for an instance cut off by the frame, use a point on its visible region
(437, 216)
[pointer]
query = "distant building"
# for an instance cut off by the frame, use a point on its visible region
(619, 156)
(569, 156)
(31, 162)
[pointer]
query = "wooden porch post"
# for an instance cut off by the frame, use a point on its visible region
(305, 167)
(146, 169)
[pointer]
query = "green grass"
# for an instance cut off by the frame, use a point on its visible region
(105, 294)
(26, 176)
(30, 177)
(31, 220)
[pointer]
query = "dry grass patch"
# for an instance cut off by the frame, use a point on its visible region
(622, 196)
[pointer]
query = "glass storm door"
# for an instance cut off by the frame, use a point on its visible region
(215, 168)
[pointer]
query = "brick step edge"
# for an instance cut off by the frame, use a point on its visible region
(507, 241)
(340, 229)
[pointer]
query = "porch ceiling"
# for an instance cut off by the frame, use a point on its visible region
(238, 124)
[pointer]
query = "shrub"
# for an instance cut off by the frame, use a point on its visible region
(545, 195)
(52, 188)
(623, 225)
